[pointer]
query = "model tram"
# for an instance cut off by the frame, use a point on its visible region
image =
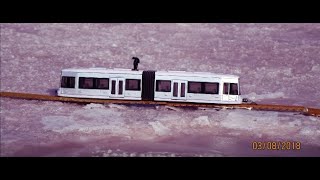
(178, 86)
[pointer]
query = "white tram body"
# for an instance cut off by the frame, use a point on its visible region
(179, 86)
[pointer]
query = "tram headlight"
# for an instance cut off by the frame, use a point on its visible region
(245, 99)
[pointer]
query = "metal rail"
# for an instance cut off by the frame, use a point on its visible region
(264, 107)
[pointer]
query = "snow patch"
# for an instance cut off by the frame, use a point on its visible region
(295, 123)
(200, 121)
(247, 121)
(57, 123)
(116, 106)
(316, 68)
(254, 96)
(172, 108)
(94, 105)
(287, 71)
(88, 121)
(159, 128)
(183, 24)
(312, 134)
(313, 118)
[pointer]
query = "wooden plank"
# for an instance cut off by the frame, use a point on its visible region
(265, 107)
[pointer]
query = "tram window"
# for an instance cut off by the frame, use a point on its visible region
(183, 89)
(233, 89)
(175, 89)
(163, 86)
(211, 88)
(113, 87)
(194, 87)
(93, 83)
(226, 88)
(203, 87)
(230, 88)
(120, 87)
(102, 83)
(67, 82)
(85, 83)
(133, 84)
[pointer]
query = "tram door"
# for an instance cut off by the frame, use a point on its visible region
(116, 87)
(179, 89)
(230, 92)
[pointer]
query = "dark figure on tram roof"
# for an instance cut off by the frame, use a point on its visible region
(136, 61)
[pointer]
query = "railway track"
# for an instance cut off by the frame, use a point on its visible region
(264, 107)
